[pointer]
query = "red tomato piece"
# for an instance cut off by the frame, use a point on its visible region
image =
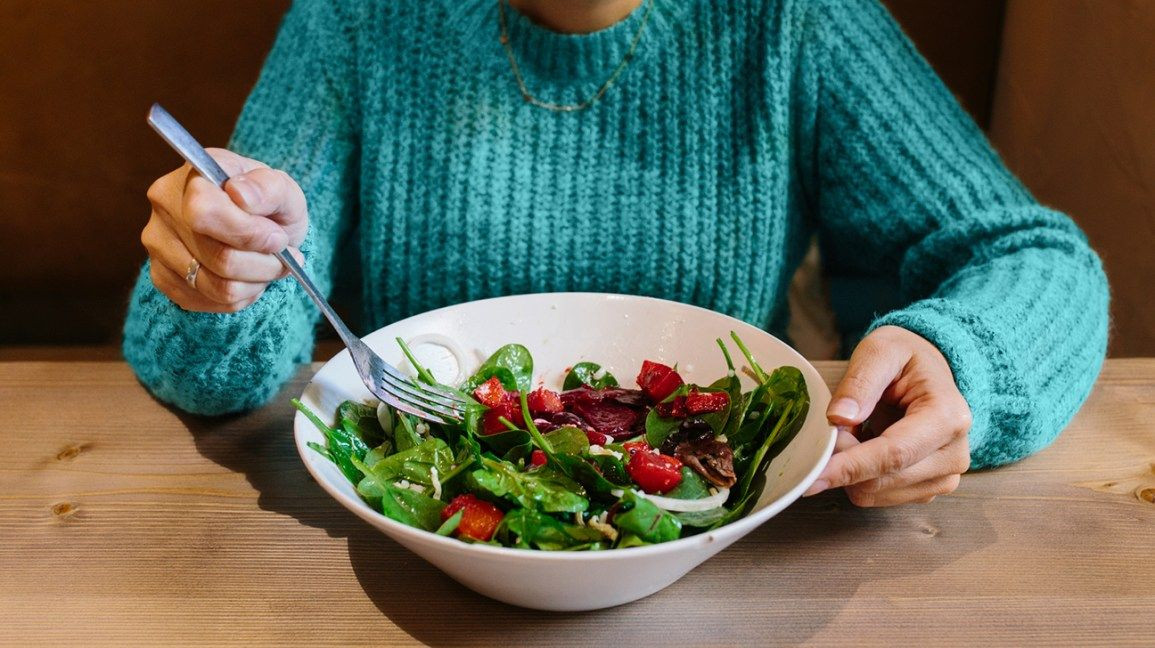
(510, 408)
(490, 393)
(705, 402)
(673, 408)
(658, 380)
(544, 401)
(479, 519)
(654, 473)
(500, 402)
(537, 459)
(633, 447)
(597, 438)
(491, 422)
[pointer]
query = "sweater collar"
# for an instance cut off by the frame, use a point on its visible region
(567, 59)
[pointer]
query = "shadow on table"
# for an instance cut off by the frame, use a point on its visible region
(813, 546)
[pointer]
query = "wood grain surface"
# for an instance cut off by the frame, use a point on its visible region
(123, 522)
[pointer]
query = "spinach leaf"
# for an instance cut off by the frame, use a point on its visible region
(417, 464)
(739, 406)
(583, 472)
(410, 507)
(449, 526)
(789, 398)
(543, 489)
(341, 446)
(377, 454)
(767, 404)
(405, 434)
(568, 440)
(513, 366)
(691, 487)
(626, 540)
(659, 427)
(644, 519)
(470, 430)
(612, 468)
(585, 373)
(720, 421)
(519, 455)
(742, 505)
(502, 442)
(527, 528)
(360, 419)
(701, 519)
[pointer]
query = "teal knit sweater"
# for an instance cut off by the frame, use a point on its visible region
(738, 130)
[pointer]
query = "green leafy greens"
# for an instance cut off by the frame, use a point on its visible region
(554, 490)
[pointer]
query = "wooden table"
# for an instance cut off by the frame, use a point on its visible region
(124, 522)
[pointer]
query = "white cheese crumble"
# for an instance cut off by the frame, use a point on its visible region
(436, 482)
(598, 450)
(416, 488)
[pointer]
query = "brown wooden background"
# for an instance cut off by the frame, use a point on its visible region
(1069, 100)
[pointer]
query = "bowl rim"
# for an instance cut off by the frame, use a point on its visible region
(735, 529)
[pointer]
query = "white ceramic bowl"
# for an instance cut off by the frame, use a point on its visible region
(561, 329)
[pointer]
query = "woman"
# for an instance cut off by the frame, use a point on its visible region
(683, 149)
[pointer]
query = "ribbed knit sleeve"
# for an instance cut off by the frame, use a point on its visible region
(300, 118)
(906, 185)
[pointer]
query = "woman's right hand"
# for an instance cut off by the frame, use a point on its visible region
(232, 233)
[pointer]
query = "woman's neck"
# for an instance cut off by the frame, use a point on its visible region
(575, 16)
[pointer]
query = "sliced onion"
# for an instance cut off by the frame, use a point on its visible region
(385, 418)
(681, 505)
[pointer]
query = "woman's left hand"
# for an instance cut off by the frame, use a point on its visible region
(902, 385)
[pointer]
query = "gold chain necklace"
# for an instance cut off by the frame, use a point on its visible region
(556, 107)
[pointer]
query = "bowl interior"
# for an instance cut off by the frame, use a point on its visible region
(560, 330)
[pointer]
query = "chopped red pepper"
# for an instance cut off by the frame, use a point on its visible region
(479, 519)
(706, 402)
(673, 408)
(544, 401)
(657, 380)
(491, 420)
(490, 393)
(501, 403)
(653, 472)
(537, 459)
(597, 438)
(636, 446)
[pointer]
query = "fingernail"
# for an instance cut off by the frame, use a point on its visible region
(249, 192)
(816, 488)
(277, 240)
(843, 408)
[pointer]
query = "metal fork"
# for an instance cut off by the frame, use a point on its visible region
(430, 402)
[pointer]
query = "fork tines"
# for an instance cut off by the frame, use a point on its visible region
(431, 402)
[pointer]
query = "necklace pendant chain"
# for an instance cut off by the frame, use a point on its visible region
(581, 105)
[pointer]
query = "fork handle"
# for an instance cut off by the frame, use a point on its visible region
(184, 143)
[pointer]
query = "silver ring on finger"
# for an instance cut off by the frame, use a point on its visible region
(190, 275)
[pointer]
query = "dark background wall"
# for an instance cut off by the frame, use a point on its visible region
(76, 79)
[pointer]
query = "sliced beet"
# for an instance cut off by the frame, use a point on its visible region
(586, 394)
(609, 418)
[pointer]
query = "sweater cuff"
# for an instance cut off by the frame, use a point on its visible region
(972, 352)
(210, 363)
(227, 331)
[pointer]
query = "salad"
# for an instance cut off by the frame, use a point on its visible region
(596, 466)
